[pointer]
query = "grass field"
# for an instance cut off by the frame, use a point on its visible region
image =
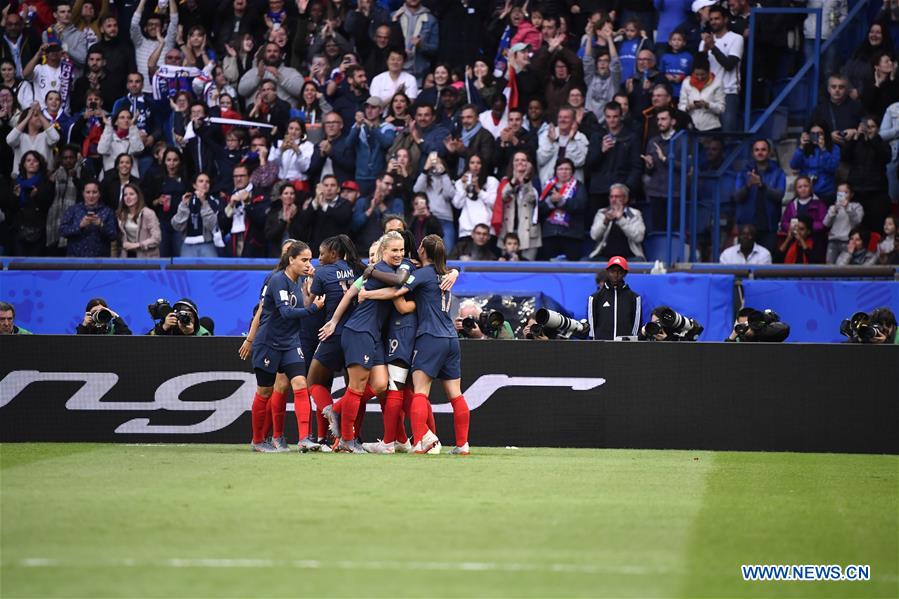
(94, 520)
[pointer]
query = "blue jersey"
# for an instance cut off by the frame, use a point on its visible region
(310, 325)
(370, 315)
(680, 63)
(431, 303)
(403, 321)
(332, 281)
(279, 327)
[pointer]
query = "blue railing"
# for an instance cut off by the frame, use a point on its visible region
(686, 142)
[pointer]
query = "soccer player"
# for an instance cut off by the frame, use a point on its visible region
(274, 417)
(361, 341)
(339, 266)
(437, 352)
(277, 347)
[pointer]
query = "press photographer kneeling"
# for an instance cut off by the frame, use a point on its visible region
(547, 324)
(474, 323)
(99, 319)
(876, 328)
(755, 325)
(667, 325)
(180, 318)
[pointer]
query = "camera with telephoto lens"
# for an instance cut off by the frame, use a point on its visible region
(676, 326)
(101, 318)
(860, 328)
(490, 323)
(765, 326)
(159, 309)
(558, 326)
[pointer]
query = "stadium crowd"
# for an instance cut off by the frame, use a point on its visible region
(515, 130)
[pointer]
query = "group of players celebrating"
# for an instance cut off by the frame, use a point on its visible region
(383, 324)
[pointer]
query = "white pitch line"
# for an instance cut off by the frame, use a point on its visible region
(39, 562)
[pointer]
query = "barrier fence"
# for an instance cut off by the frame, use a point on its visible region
(764, 397)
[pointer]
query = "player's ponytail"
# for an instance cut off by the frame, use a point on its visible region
(436, 252)
(350, 255)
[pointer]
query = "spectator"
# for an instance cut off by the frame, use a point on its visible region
(475, 195)
(656, 181)
(239, 57)
(702, 97)
(856, 252)
(661, 100)
(120, 137)
(817, 158)
(806, 203)
(99, 319)
(512, 139)
(371, 138)
(401, 167)
(164, 192)
(477, 246)
(602, 74)
(349, 97)
(27, 207)
(293, 154)
(138, 225)
(313, 108)
(516, 211)
(639, 86)
(326, 212)
(524, 81)
(394, 79)
(562, 204)
(118, 51)
(759, 190)
(615, 310)
(271, 67)
(368, 213)
(114, 181)
(56, 73)
(746, 250)
(613, 157)
(140, 104)
(489, 87)
(32, 133)
(565, 73)
(283, 221)
(421, 32)
(196, 220)
(559, 141)
(629, 49)
(7, 319)
(858, 68)
(797, 244)
(427, 134)
(867, 155)
(421, 222)
(833, 12)
(887, 245)
(147, 38)
(495, 120)
(838, 110)
(67, 184)
(334, 154)
(436, 184)
(173, 325)
(842, 216)
(97, 79)
(725, 51)
(242, 217)
(618, 230)
(67, 35)
(376, 57)
(398, 112)
(511, 248)
(884, 87)
(90, 227)
(889, 132)
(472, 140)
(20, 43)
(269, 109)
(676, 64)
(587, 122)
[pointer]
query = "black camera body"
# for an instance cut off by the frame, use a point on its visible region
(765, 325)
(159, 309)
(676, 326)
(490, 323)
(860, 328)
(101, 318)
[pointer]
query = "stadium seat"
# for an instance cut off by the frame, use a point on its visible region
(655, 247)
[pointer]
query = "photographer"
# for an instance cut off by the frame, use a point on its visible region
(667, 325)
(99, 319)
(474, 323)
(753, 325)
(877, 328)
(532, 330)
(180, 318)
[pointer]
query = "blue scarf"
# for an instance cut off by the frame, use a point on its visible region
(26, 185)
(467, 136)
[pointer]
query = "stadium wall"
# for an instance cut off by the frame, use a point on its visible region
(756, 397)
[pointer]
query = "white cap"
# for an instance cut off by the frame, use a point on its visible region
(700, 4)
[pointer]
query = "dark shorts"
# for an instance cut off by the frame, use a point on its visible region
(308, 346)
(267, 362)
(438, 357)
(361, 349)
(330, 354)
(399, 345)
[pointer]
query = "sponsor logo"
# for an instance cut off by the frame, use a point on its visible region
(223, 412)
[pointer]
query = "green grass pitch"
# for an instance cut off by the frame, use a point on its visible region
(99, 520)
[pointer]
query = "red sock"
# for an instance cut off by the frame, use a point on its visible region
(350, 403)
(419, 416)
(461, 419)
(360, 414)
(401, 436)
(322, 398)
(393, 407)
(337, 406)
(431, 424)
(278, 405)
(407, 399)
(267, 421)
(303, 410)
(257, 414)
(368, 393)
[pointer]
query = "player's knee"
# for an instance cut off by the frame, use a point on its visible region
(265, 392)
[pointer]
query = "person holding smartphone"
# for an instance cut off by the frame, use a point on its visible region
(89, 226)
(818, 158)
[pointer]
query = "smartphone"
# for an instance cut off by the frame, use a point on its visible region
(793, 223)
(813, 138)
